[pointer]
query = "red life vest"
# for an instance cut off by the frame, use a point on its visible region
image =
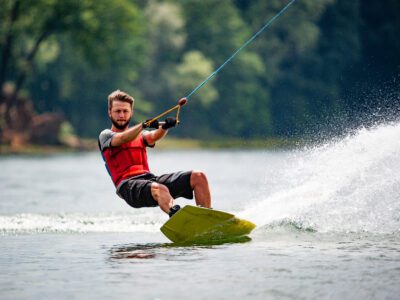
(127, 160)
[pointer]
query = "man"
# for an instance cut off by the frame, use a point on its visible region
(124, 151)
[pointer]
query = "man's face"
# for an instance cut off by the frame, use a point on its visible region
(120, 114)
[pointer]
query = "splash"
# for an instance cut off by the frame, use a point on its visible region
(352, 184)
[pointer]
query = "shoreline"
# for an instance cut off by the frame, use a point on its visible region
(170, 143)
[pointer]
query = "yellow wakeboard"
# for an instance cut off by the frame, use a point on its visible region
(193, 224)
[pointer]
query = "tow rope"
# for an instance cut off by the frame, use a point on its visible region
(184, 100)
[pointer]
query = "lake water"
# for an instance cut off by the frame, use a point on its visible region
(328, 226)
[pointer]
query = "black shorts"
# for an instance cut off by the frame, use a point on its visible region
(137, 191)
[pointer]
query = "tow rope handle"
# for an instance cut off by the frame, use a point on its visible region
(181, 102)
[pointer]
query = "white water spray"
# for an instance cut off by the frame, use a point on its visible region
(348, 185)
(141, 221)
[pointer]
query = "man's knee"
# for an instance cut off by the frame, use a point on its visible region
(157, 190)
(198, 177)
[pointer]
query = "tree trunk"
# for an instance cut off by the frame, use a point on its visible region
(8, 43)
(22, 76)
(29, 62)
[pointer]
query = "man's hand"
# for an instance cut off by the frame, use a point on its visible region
(169, 123)
(153, 124)
(153, 136)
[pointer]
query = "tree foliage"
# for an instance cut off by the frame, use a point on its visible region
(320, 59)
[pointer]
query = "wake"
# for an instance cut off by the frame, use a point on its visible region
(145, 221)
(351, 184)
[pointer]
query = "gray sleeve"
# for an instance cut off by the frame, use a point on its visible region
(105, 138)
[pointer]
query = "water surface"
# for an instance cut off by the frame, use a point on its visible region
(328, 226)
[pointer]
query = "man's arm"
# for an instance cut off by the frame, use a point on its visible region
(152, 137)
(128, 135)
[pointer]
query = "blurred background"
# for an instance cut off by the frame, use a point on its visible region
(322, 67)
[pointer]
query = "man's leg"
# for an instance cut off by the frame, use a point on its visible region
(161, 194)
(199, 184)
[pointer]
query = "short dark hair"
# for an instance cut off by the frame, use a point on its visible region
(120, 96)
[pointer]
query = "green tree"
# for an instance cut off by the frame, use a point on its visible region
(186, 75)
(337, 55)
(373, 82)
(58, 39)
(216, 29)
(284, 49)
(166, 38)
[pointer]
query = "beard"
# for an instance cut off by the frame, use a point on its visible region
(120, 126)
